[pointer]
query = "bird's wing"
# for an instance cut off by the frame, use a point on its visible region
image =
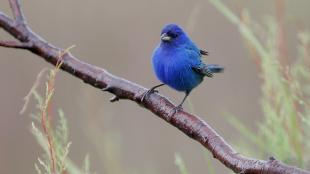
(208, 70)
(203, 70)
(195, 60)
(193, 52)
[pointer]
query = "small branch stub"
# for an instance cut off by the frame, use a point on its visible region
(15, 44)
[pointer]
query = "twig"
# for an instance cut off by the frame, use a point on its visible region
(15, 44)
(17, 11)
(190, 124)
(33, 88)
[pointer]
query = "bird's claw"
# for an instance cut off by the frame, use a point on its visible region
(147, 93)
(174, 111)
(154, 91)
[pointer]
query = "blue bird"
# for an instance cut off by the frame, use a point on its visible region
(177, 62)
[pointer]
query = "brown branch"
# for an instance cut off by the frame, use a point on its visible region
(17, 11)
(190, 124)
(14, 44)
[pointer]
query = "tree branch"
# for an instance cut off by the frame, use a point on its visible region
(14, 44)
(190, 124)
(17, 11)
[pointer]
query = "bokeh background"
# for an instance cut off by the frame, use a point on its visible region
(120, 36)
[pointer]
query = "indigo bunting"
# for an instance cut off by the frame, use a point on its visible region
(177, 62)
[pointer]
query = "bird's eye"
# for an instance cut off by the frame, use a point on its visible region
(173, 35)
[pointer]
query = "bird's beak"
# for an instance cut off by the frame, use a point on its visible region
(164, 37)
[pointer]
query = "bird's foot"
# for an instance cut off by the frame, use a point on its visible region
(174, 111)
(152, 90)
(147, 93)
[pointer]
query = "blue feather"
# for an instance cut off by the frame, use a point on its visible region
(215, 68)
(177, 61)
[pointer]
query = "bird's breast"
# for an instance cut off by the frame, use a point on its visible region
(175, 71)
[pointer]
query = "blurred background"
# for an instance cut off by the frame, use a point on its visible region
(120, 36)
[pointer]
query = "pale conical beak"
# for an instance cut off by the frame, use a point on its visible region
(164, 37)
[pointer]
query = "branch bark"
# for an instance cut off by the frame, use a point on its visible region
(191, 125)
(14, 44)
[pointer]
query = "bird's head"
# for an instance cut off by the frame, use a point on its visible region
(172, 34)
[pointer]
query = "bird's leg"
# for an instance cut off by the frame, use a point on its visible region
(148, 92)
(179, 107)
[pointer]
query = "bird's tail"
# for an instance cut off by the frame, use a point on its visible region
(213, 68)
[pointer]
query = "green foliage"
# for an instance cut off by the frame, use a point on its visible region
(283, 132)
(53, 140)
